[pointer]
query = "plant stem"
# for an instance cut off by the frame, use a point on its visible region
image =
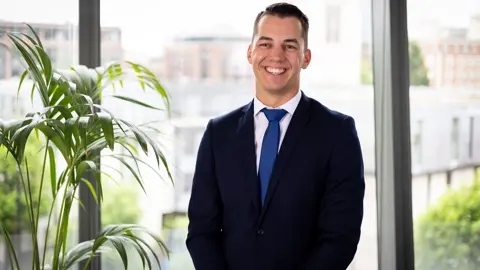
(28, 200)
(56, 252)
(52, 207)
(89, 260)
(41, 188)
(66, 227)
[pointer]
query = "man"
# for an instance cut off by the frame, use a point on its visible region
(278, 183)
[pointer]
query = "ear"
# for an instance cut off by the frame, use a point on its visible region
(249, 54)
(307, 58)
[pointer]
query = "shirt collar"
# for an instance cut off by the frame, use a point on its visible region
(290, 106)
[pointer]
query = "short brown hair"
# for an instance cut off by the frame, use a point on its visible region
(283, 10)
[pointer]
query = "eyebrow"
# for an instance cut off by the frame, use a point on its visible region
(290, 40)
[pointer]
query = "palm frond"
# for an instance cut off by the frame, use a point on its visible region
(77, 128)
(120, 236)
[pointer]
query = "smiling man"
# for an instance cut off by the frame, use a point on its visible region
(279, 182)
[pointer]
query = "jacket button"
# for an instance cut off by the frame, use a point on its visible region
(260, 232)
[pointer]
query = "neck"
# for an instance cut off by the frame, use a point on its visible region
(275, 100)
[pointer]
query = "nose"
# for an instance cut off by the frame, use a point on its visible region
(277, 53)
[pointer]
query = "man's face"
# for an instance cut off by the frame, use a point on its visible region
(277, 54)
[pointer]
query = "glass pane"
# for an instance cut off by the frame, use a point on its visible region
(57, 30)
(201, 59)
(445, 131)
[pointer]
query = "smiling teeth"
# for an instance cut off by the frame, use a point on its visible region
(275, 71)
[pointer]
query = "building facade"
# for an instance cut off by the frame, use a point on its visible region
(61, 44)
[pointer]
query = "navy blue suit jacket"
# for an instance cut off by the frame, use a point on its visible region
(314, 205)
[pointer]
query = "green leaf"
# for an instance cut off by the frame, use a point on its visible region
(107, 126)
(56, 138)
(132, 170)
(89, 102)
(82, 168)
(39, 42)
(33, 69)
(137, 102)
(22, 78)
(58, 90)
(118, 244)
(11, 249)
(139, 135)
(63, 230)
(83, 127)
(92, 190)
(80, 129)
(80, 203)
(150, 248)
(53, 171)
(47, 64)
(80, 252)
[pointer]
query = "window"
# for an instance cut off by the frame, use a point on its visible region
(50, 34)
(3, 62)
(16, 68)
(189, 141)
(45, 16)
(224, 65)
(449, 149)
(52, 53)
(332, 24)
(455, 139)
(190, 50)
(471, 137)
(193, 105)
(204, 63)
(417, 144)
(187, 182)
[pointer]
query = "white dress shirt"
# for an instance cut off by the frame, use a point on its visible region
(261, 121)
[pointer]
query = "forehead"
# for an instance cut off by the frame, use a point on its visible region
(276, 27)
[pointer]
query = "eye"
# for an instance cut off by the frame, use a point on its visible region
(291, 47)
(263, 45)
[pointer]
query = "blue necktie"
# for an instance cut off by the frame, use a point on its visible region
(269, 151)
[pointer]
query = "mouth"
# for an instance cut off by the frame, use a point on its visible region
(275, 71)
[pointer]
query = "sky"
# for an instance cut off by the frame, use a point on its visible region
(149, 24)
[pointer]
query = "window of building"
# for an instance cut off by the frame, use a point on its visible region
(193, 105)
(3, 106)
(16, 68)
(332, 24)
(187, 182)
(3, 62)
(455, 139)
(471, 137)
(417, 143)
(224, 64)
(52, 53)
(189, 142)
(50, 34)
(204, 63)
(190, 138)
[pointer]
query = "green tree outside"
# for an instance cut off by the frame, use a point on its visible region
(447, 235)
(418, 70)
(13, 207)
(367, 73)
(120, 204)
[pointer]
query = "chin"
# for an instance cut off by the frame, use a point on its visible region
(276, 89)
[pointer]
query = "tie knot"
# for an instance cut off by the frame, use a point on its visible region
(274, 115)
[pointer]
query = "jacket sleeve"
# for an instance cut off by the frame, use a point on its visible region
(341, 209)
(204, 239)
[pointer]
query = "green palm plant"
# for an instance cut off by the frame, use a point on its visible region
(76, 129)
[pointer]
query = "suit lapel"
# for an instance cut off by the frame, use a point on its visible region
(246, 139)
(294, 131)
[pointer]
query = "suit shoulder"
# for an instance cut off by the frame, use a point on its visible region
(329, 115)
(229, 118)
